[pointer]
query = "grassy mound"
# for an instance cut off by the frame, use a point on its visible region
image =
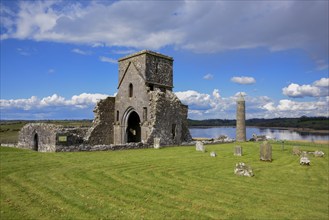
(173, 183)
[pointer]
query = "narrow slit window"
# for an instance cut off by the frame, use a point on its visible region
(131, 90)
(173, 131)
(145, 113)
(117, 115)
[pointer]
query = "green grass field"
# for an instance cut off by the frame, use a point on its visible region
(170, 183)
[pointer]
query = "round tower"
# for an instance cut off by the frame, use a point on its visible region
(241, 119)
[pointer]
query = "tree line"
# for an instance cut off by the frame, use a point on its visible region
(316, 123)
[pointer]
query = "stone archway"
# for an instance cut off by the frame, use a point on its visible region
(36, 142)
(133, 131)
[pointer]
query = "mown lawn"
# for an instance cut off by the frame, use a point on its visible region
(170, 183)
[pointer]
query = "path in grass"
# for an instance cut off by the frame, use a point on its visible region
(175, 183)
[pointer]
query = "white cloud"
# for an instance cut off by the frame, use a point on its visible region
(81, 52)
(208, 76)
(289, 108)
(201, 106)
(243, 80)
(318, 89)
(107, 59)
(195, 99)
(83, 100)
(183, 24)
(297, 91)
(323, 82)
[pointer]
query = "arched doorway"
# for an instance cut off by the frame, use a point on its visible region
(36, 142)
(133, 128)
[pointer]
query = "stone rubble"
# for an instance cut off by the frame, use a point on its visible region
(304, 161)
(241, 169)
(213, 154)
(318, 153)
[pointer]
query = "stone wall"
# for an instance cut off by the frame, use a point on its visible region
(112, 147)
(168, 119)
(38, 136)
(101, 131)
(159, 70)
(70, 137)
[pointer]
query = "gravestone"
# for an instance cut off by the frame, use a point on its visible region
(199, 146)
(238, 150)
(213, 154)
(241, 169)
(156, 143)
(265, 151)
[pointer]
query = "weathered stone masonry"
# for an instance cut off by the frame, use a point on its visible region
(144, 108)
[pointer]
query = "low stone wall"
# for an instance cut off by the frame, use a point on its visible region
(82, 147)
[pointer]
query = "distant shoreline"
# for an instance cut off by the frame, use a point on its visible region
(300, 130)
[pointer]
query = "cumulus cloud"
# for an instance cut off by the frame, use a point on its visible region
(318, 89)
(323, 82)
(289, 108)
(208, 76)
(183, 24)
(83, 100)
(201, 106)
(243, 80)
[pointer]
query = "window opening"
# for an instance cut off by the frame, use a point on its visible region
(131, 88)
(144, 113)
(173, 130)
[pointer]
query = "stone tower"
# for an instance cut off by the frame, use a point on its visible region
(145, 106)
(241, 119)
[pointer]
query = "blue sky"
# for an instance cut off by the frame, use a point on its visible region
(58, 58)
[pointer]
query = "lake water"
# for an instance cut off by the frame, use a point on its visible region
(275, 133)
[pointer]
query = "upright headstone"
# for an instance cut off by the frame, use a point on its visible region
(199, 146)
(266, 151)
(238, 150)
(213, 154)
(156, 142)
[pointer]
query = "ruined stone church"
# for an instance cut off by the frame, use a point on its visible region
(144, 108)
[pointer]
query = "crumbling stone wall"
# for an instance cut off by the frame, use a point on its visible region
(101, 131)
(70, 137)
(169, 119)
(38, 136)
(159, 70)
